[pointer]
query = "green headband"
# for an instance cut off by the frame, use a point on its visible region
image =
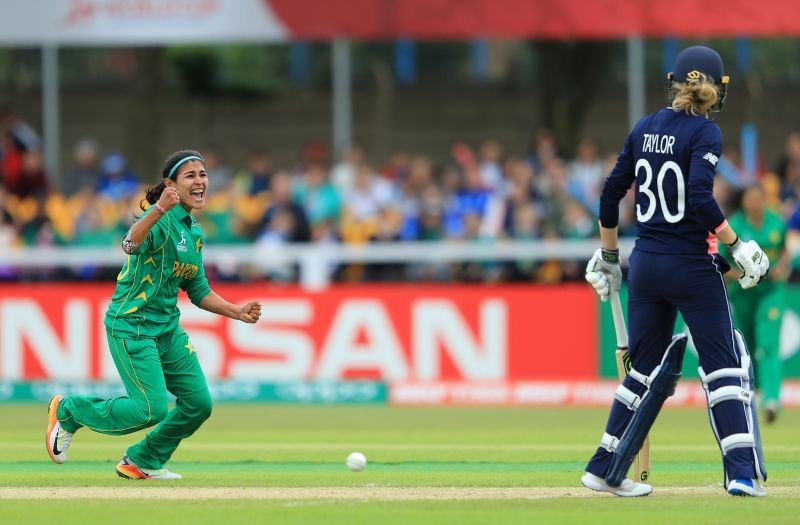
(177, 164)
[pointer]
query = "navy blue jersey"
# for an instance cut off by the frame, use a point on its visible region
(672, 157)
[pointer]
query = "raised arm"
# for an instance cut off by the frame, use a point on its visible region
(138, 233)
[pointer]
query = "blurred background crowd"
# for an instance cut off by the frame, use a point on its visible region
(466, 141)
(471, 193)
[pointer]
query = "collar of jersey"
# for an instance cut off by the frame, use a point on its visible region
(180, 213)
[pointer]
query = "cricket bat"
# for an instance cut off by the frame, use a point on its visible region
(641, 465)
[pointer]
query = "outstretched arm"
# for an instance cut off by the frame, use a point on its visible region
(248, 313)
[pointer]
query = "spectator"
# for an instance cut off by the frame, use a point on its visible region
(431, 227)
(524, 226)
(789, 163)
(398, 166)
(284, 219)
(543, 150)
(368, 196)
(17, 138)
(220, 175)
(85, 173)
(390, 223)
(585, 174)
(319, 199)
(552, 186)
(31, 181)
(411, 195)
(256, 178)
(314, 152)
(450, 182)
(8, 240)
(117, 182)
(521, 196)
(343, 175)
(491, 170)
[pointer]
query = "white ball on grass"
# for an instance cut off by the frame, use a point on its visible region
(356, 461)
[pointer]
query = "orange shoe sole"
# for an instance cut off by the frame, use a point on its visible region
(130, 472)
(52, 419)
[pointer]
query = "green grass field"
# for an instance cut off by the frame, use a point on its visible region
(285, 464)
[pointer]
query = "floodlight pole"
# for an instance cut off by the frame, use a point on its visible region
(636, 80)
(342, 108)
(50, 112)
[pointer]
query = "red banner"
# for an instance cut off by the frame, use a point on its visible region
(393, 333)
(558, 19)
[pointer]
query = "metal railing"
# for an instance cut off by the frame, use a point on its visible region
(314, 260)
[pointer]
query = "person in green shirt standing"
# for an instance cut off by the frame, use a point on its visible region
(758, 312)
(151, 351)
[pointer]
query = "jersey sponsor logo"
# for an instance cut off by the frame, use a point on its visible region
(184, 270)
(181, 246)
(655, 143)
(710, 157)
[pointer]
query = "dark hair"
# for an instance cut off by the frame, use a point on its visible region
(154, 193)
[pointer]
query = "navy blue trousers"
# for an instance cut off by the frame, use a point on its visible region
(660, 286)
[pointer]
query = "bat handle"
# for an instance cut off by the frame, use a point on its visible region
(619, 320)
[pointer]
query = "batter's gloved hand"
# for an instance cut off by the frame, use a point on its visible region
(603, 272)
(752, 260)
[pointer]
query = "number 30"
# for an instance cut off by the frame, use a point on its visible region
(645, 188)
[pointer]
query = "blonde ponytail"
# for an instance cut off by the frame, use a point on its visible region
(695, 97)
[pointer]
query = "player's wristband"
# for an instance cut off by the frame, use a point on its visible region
(734, 244)
(159, 208)
(610, 256)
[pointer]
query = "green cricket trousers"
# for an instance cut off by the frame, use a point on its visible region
(758, 313)
(149, 368)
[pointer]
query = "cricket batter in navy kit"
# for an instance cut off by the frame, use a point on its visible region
(151, 351)
(671, 156)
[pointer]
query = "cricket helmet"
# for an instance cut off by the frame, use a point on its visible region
(697, 63)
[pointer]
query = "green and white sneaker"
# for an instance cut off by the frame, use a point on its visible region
(56, 439)
(128, 470)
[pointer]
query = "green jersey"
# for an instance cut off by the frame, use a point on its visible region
(144, 303)
(771, 236)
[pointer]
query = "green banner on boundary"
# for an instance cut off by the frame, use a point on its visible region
(319, 392)
(790, 338)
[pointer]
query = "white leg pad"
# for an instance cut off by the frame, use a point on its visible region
(729, 393)
(742, 393)
(627, 397)
(609, 442)
(736, 441)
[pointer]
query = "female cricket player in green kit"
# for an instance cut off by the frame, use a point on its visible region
(758, 312)
(151, 351)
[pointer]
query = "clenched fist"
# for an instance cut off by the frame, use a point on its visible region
(169, 198)
(250, 313)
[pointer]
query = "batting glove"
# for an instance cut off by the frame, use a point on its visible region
(752, 260)
(603, 272)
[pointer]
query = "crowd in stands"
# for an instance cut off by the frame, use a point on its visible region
(478, 194)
